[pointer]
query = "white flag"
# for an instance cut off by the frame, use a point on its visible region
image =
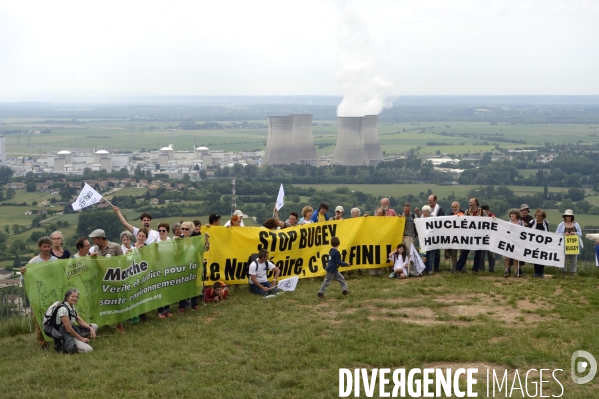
(288, 284)
(417, 259)
(280, 197)
(87, 197)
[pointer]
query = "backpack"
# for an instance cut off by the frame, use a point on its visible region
(51, 328)
(246, 270)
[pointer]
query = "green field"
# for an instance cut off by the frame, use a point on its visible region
(118, 136)
(398, 190)
(293, 346)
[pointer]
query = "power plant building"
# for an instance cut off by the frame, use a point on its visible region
(290, 140)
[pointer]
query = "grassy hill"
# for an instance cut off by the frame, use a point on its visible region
(292, 346)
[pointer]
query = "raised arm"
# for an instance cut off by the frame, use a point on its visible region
(277, 221)
(122, 219)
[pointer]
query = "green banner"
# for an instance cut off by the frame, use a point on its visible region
(114, 289)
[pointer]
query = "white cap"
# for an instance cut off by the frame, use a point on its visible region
(339, 209)
(238, 213)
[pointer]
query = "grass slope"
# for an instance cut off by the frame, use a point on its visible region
(293, 346)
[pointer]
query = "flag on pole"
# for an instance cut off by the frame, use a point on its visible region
(280, 197)
(87, 197)
(416, 259)
(288, 284)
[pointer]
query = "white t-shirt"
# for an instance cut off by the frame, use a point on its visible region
(261, 272)
(153, 235)
(228, 224)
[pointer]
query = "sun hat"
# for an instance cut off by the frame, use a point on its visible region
(568, 212)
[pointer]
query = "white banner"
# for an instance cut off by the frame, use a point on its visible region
(280, 198)
(288, 284)
(416, 259)
(490, 234)
(87, 197)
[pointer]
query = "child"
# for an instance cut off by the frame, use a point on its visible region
(333, 271)
(401, 262)
(215, 294)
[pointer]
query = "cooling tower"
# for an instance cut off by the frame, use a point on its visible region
(280, 147)
(370, 135)
(349, 149)
(303, 138)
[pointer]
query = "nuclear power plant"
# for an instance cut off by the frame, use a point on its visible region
(357, 141)
(290, 141)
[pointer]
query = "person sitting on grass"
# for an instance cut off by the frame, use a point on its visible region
(259, 284)
(333, 270)
(74, 336)
(401, 262)
(216, 293)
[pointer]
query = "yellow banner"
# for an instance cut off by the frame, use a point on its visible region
(302, 250)
(572, 246)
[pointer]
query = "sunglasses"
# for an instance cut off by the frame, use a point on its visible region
(162, 231)
(185, 228)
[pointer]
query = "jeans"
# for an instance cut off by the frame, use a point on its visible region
(256, 290)
(183, 303)
(437, 259)
(430, 260)
(491, 257)
(164, 309)
(572, 260)
(464, 257)
(328, 279)
(539, 270)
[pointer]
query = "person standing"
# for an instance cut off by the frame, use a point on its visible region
(540, 223)
(409, 231)
(490, 255)
(103, 247)
(332, 269)
(321, 215)
(387, 211)
(473, 210)
(57, 250)
(146, 221)
(45, 247)
(569, 227)
(339, 211)
(236, 213)
(526, 220)
(452, 254)
(430, 255)
(82, 246)
(437, 211)
(514, 219)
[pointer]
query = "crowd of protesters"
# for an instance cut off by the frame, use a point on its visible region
(403, 266)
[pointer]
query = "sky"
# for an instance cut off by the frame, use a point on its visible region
(374, 48)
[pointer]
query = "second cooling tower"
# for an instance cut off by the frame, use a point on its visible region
(280, 148)
(370, 135)
(349, 149)
(303, 139)
(290, 140)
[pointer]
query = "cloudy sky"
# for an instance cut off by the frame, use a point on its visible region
(262, 47)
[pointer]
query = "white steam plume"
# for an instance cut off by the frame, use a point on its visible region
(364, 93)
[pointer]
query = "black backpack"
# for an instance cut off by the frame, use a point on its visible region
(51, 328)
